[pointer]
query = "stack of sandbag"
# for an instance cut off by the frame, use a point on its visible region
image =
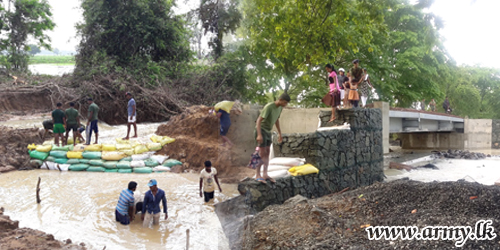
(167, 165)
(303, 170)
(279, 166)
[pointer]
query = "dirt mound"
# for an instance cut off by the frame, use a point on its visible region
(336, 221)
(13, 147)
(14, 238)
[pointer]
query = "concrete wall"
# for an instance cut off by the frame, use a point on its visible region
(478, 133)
(495, 134)
(384, 107)
(299, 120)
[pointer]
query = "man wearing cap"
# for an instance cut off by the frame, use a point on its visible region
(124, 211)
(92, 121)
(341, 79)
(131, 118)
(207, 177)
(59, 121)
(151, 205)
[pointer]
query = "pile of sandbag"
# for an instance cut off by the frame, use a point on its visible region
(280, 167)
(123, 157)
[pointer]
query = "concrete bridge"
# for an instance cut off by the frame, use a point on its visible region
(414, 121)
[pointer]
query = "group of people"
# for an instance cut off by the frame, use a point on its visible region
(149, 205)
(344, 88)
(432, 105)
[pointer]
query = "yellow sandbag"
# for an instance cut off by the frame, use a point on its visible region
(79, 148)
(70, 140)
(224, 105)
(121, 147)
(94, 147)
(139, 149)
(154, 146)
(156, 138)
(74, 155)
(128, 152)
(303, 170)
(113, 155)
(166, 141)
(43, 148)
(32, 146)
(108, 147)
(48, 142)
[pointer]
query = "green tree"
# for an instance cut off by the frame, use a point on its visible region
(33, 49)
(141, 36)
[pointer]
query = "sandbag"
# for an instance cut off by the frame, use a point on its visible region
(96, 162)
(303, 170)
(84, 161)
(128, 152)
(161, 169)
(57, 148)
(171, 162)
(108, 147)
(163, 140)
(78, 167)
(49, 142)
(32, 146)
(128, 158)
(36, 162)
(125, 170)
(224, 105)
(121, 147)
(112, 170)
(110, 164)
(141, 157)
(123, 164)
(35, 154)
(58, 154)
(151, 163)
(112, 155)
(61, 160)
(286, 161)
(96, 169)
(139, 149)
(154, 146)
(63, 167)
(272, 168)
(159, 158)
(79, 148)
(143, 170)
(137, 164)
(50, 158)
(94, 147)
(91, 155)
(43, 148)
(49, 165)
(74, 155)
(73, 161)
(71, 140)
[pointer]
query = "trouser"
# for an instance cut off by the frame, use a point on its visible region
(363, 100)
(148, 217)
(123, 219)
(355, 103)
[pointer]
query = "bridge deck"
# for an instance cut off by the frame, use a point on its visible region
(411, 120)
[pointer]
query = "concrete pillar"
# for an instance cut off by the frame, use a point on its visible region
(384, 106)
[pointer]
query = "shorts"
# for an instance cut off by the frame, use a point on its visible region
(266, 138)
(59, 128)
(123, 219)
(208, 195)
(131, 120)
(342, 94)
(224, 130)
(73, 127)
(94, 127)
(148, 217)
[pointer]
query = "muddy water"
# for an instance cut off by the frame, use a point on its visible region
(80, 205)
(51, 69)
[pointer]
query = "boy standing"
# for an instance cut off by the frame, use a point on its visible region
(59, 121)
(207, 177)
(72, 122)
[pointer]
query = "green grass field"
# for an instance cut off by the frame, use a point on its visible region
(58, 60)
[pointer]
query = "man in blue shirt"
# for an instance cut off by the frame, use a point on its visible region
(131, 118)
(125, 208)
(151, 205)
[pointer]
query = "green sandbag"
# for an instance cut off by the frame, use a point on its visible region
(96, 162)
(128, 158)
(74, 161)
(123, 165)
(91, 155)
(58, 154)
(151, 163)
(110, 164)
(115, 170)
(96, 169)
(144, 170)
(171, 162)
(125, 170)
(39, 155)
(61, 161)
(36, 162)
(63, 148)
(78, 167)
(51, 159)
(86, 161)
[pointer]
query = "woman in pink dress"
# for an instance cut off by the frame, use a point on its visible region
(334, 89)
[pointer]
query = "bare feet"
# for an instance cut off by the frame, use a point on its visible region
(271, 179)
(125, 138)
(135, 136)
(261, 180)
(333, 119)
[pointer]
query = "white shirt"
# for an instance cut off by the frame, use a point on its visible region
(208, 180)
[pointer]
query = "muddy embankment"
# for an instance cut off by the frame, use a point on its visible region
(14, 238)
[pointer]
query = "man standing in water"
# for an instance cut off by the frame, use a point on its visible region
(151, 205)
(59, 121)
(72, 123)
(267, 119)
(124, 211)
(132, 112)
(92, 121)
(207, 178)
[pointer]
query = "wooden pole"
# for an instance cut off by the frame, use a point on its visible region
(38, 191)
(187, 239)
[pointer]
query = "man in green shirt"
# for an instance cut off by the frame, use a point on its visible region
(59, 120)
(267, 119)
(92, 121)
(72, 122)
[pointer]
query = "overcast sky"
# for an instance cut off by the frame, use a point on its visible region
(470, 31)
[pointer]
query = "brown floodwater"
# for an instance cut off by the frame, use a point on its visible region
(81, 206)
